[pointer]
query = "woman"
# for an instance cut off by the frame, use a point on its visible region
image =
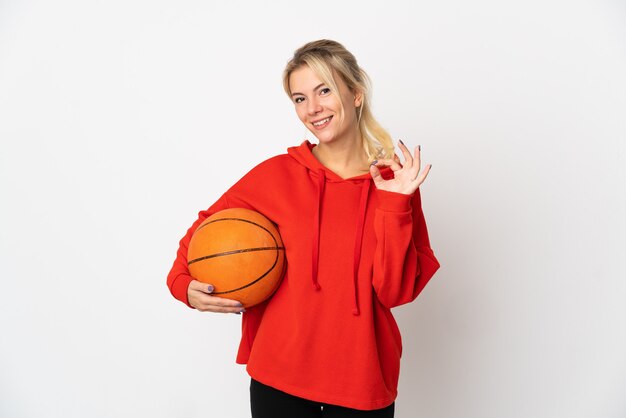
(326, 344)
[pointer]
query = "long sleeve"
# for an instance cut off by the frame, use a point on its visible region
(178, 278)
(248, 192)
(403, 260)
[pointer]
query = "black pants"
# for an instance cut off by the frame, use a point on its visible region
(267, 402)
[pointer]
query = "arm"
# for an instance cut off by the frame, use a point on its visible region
(403, 260)
(185, 288)
(179, 279)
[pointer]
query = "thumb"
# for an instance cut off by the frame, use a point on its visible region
(202, 287)
(376, 176)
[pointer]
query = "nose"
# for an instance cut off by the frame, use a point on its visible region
(314, 106)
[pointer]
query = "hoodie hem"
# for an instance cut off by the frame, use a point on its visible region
(323, 398)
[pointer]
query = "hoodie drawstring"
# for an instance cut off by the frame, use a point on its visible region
(365, 191)
(321, 184)
(365, 188)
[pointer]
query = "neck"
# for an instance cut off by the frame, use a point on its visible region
(346, 158)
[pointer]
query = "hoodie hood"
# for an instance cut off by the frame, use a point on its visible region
(303, 155)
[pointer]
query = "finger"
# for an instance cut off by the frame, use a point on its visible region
(395, 166)
(217, 304)
(418, 160)
(408, 158)
(202, 300)
(221, 309)
(222, 302)
(420, 179)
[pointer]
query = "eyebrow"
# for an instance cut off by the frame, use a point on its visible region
(315, 89)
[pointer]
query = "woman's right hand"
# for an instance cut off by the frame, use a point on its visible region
(199, 296)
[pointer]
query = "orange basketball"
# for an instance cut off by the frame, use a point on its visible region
(239, 252)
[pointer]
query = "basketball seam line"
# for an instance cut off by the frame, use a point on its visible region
(236, 219)
(245, 250)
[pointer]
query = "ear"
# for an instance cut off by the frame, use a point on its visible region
(358, 98)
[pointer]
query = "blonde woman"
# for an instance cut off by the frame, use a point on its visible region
(349, 213)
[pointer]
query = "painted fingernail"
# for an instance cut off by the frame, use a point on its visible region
(210, 288)
(401, 141)
(374, 162)
(419, 147)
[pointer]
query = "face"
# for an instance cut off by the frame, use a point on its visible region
(320, 109)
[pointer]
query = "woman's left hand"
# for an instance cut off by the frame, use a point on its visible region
(406, 177)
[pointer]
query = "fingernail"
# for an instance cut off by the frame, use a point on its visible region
(239, 305)
(374, 162)
(401, 141)
(419, 147)
(243, 310)
(210, 288)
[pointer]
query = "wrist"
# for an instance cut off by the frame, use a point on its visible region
(394, 201)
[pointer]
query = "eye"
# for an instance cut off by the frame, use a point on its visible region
(325, 91)
(298, 99)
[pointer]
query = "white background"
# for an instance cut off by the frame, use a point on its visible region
(120, 120)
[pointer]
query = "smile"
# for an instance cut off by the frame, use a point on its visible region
(322, 123)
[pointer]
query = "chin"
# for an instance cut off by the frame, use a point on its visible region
(325, 139)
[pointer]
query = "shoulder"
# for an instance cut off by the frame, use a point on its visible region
(270, 171)
(276, 165)
(276, 161)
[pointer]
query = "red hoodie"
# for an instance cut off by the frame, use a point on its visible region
(353, 252)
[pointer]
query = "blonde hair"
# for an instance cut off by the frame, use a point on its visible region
(326, 58)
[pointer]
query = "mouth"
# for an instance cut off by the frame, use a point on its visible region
(321, 124)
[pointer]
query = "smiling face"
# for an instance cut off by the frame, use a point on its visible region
(320, 109)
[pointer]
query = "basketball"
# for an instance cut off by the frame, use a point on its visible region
(240, 253)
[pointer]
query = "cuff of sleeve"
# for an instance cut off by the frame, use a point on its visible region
(179, 288)
(394, 202)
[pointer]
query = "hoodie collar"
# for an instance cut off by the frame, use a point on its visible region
(304, 155)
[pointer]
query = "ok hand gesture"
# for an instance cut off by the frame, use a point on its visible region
(406, 178)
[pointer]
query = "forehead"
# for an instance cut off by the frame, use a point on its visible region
(304, 79)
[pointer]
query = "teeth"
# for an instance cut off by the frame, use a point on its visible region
(323, 121)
